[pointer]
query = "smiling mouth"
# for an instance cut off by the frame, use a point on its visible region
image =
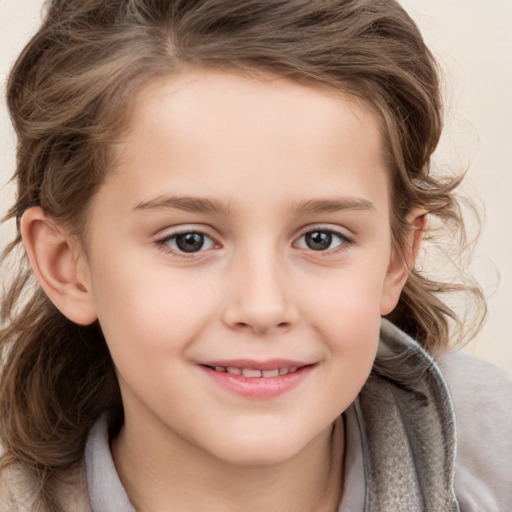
(258, 379)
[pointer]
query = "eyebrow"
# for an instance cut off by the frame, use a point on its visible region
(205, 205)
(334, 205)
(187, 204)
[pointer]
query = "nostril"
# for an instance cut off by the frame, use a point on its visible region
(262, 328)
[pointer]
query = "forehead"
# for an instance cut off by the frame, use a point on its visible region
(199, 130)
(221, 98)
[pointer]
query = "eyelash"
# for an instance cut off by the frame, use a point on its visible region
(164, 243)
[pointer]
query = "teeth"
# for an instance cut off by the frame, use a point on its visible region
(247, 372)
(252, 373)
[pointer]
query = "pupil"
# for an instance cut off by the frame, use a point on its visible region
(318, 240)
(190, 242)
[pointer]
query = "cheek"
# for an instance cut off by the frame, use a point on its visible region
(148, 334)
(347, 316)
(351, 336)
(349, 297)
(147, 312)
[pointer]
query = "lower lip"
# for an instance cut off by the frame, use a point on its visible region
(258, 387)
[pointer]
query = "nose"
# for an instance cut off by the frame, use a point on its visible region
(260, 296)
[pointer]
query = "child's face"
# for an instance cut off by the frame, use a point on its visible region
(247, 227)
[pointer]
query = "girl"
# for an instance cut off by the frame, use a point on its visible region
(222, 204)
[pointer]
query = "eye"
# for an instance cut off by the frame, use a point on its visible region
(188, 242)
(321, 240)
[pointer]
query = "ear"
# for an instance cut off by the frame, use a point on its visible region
(56, 260)
(402, 262)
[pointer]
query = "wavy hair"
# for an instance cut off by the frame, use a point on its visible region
(69, 96)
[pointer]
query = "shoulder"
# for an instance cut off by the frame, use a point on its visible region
(17, 491)
(482, 400)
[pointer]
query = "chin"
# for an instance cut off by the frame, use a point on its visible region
(261, 448)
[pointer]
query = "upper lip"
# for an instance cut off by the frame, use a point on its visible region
(269, 364)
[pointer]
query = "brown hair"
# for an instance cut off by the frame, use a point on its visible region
(69, 95)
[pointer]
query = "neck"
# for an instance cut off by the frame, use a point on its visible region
(311, 481)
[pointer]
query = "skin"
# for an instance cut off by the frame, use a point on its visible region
(255, 164)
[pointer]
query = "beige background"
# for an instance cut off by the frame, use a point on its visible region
(473, 41)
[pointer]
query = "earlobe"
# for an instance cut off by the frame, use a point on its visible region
(54, 259)
(402, 262)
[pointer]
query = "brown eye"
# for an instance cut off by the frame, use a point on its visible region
(318, 240)
(188, 242)
(321, 240)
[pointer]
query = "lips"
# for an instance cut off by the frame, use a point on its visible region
(257, 379)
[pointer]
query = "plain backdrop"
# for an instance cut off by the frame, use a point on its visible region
(472, 40)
